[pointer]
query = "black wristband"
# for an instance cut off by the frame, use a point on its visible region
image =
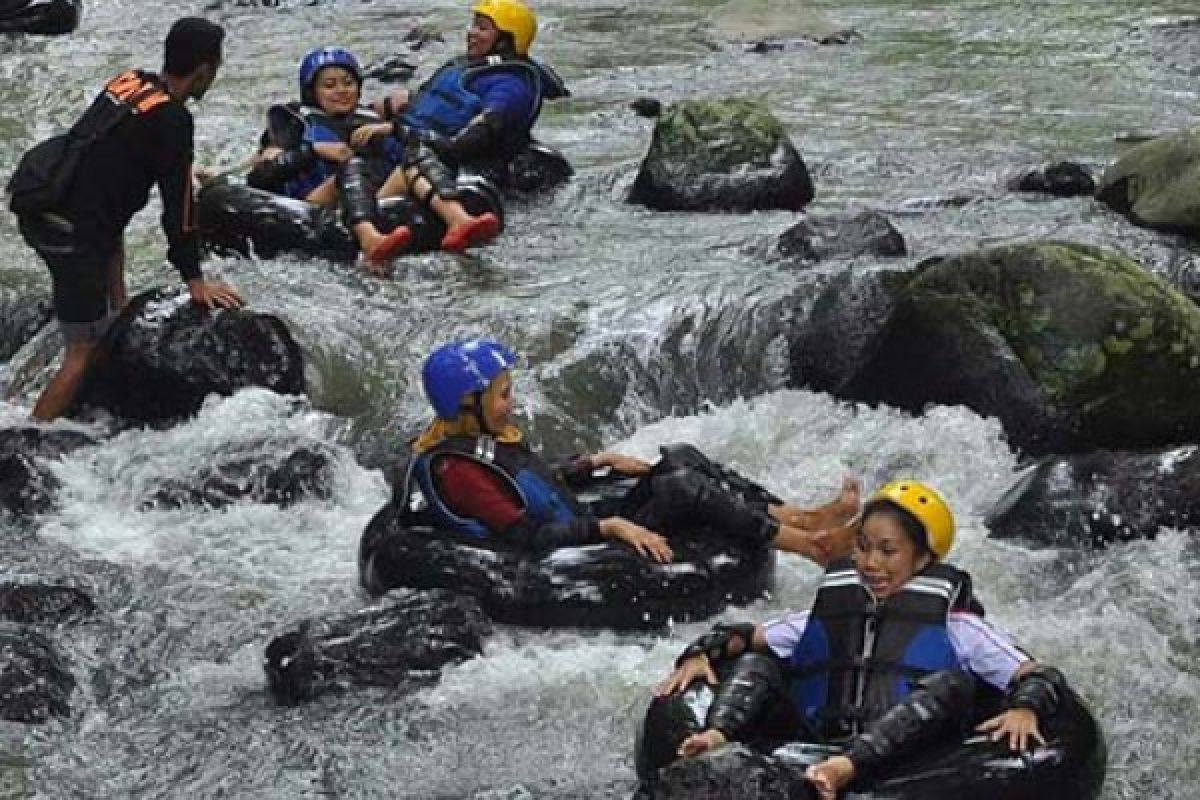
(1040, 690)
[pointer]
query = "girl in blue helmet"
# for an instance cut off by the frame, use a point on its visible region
(478, 476)
(307, 147)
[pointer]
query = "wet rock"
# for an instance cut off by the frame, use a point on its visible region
(1064, 179)
(917, 206)
(404, 642)
(35, 683)
(306, 472)
(845, 318)
(23, 312)
(26, 488)
(1094, 499)
(721, 155)
(1072, 347)
(648, 107)
(48, 18)
(165, 354)
(1157, 183)
(420, 36)
(43, 604)
(27, 485)
(816, 238)
(396, 69)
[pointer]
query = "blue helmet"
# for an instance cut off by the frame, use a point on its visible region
(316, 60)
(455, 369)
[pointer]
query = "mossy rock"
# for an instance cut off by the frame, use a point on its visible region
(1071, 346)
(721, 155)
(1157, 183)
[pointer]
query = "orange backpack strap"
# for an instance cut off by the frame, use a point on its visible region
(131, 89)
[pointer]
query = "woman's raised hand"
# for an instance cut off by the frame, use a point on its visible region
(698, 666)
(363, 134)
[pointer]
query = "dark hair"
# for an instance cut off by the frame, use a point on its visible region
(911, 525)
(192, 41)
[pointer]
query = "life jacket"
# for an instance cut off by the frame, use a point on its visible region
(541, 497)
(858, 657)
(445, 104)
(338, 127)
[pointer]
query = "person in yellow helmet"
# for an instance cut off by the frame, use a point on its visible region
(475, 113)
(887, 658)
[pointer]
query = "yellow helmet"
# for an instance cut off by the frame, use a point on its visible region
(513, 17)
(923, 502)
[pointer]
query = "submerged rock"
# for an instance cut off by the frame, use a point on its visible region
(165, 354)
(1064, 179)
(406, 641)
(1157, 183)
(43, 603)
(23, 312)
(816, 238)
(721, 155)
(307, 471)
(1094, 499)
(1073, 347)
(27, 485)
(35, 683)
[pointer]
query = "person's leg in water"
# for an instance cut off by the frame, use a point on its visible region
(361, 211)
(433, 183)
(685, 497)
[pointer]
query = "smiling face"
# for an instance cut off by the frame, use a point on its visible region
(497, 403)
(481, 36)
(885, 555)
(336, 90)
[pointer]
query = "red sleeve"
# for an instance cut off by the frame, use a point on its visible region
(472, 490)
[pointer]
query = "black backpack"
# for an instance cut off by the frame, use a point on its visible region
(44, 173)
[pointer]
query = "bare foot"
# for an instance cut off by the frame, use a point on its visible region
(831, 776)
(839, 511)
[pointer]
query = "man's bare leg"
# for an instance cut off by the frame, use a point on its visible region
(62, 391)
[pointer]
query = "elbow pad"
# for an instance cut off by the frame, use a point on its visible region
(1040, 690)
(715, 643)
(478, 140)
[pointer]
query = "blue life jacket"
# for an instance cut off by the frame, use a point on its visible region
(320, 126)
(446, 103)
(541, 497)
(858, 657)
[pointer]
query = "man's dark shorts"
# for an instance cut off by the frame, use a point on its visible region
(79, 273)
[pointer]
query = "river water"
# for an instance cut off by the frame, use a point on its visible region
(636, 328)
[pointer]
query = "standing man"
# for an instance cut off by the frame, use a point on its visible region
(82, 242)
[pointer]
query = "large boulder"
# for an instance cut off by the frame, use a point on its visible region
(1093, 499)
(165, 354)
(35, 683)
(404, 642)
(1071, 346)
(721, 155)
(1157, 183)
